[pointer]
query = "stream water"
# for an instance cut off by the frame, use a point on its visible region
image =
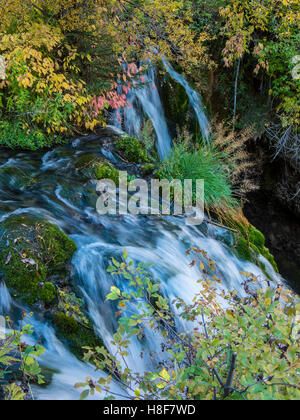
(48, 184)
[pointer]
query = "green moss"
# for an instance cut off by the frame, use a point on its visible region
(92, 167)
(132, 149)
(47, 293)
(252, 244)
(147, 169)
(256, 237)
(104, 170)
(257, 243)
(266, 253)
(175, 99)
(66, 324)
(243, 250)
(75, 334)
(30, 249)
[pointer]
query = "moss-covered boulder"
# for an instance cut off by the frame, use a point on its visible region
(131, 149)
(104, 170)
(250, 244)
(243, 250)
(75, 334)
(95, 168)
(147, 169)
(31, 249)
(47, 293)
(256, 237)
(85, 161)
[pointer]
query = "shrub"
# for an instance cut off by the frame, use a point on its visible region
(18, 364)
(238, 347)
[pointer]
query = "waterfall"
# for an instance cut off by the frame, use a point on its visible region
(133, 116)
(195, 100)
(152, 106)
(5, 300)
(145, 100)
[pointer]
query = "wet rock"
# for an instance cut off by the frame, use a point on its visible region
(30, 250)
(15, 178)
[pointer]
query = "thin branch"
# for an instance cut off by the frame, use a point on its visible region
(228, 385)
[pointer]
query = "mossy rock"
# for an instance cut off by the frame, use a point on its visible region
(175, 99)
(256, 237)
(243, 250)
(75, 334)
(252, 244)
(147, 170)
(30, 250)
(92, 167)
(47, 293)
(104, 170)
(131, 149)
(268, 256)
(15, 178)
(85, 161)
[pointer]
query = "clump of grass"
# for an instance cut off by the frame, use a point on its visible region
(205, 163)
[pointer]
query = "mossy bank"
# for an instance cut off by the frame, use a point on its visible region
(250, 244)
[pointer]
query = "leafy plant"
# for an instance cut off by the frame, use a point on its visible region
(238, 346)
(18, 364)
(71, 306)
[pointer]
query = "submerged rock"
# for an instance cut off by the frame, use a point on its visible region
(30, 250)
(15, 178)
(76, 334)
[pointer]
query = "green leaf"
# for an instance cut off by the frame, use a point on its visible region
(84, 394)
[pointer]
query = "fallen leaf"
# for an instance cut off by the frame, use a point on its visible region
(8, 259)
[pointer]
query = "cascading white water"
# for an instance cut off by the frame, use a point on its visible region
(65, 197)
(133, 116)
(145, 100)
(5, 299)
(194, 97)
(152, 106)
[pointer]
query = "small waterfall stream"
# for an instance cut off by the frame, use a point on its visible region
(5, 299)
(145, 101)
(195, 100)
(63, 196)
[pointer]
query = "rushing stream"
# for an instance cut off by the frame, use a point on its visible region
(48, 184)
